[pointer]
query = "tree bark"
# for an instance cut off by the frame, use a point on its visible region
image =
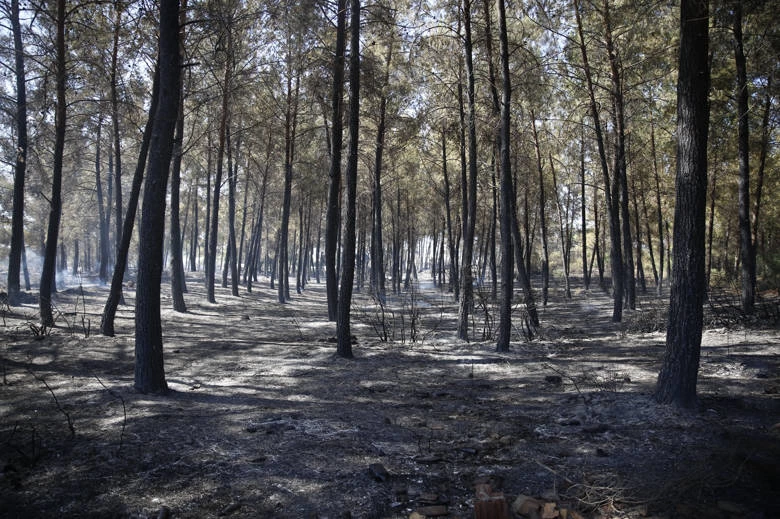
(20, 166)
(102, 225)
(619, 170)
(677, 378)
(564, 228)
(542, 214)
(448, 214)
(658, 212)
(117, 155)
(149, 369)
(507, 192)
(765, 130)
(178, 286)
(115, 293)
(290, 122)
(224, 121)
(232, 249)
(343, 331)
(47, 284)
(747, 255)
(583, 214)
(377, 245)
(469, 217)
(333, 216)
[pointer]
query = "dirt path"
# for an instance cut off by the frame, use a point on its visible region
(263, 421)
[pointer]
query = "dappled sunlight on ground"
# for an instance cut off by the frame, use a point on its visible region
(263, 420)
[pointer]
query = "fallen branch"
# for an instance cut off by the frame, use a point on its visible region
(56, 401)
(124, 412)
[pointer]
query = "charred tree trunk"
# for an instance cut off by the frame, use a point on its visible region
(149, 369)
(115, 294)
(377, 248)
(619, 170)
(542, 214)
(223, 129)
(747, 254)
(583, 214)
(470, 216)
(178, 286)
(507, 193)
(20, 166)
(117, 155)
(677, 378)
(611, 187)
(448, 213)
(102, 226)
(333, 216)
(290, 122)
(343, 331)
(658, 212)
(232, 181)
(47, 284)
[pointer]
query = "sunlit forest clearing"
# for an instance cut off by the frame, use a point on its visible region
(391, 258)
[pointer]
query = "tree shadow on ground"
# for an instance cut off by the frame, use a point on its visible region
(264, 421)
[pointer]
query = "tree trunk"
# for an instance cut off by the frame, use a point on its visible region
(117, 155)
(619, 171)
(747, 255)
(448, 212)
(470, 217)
(25, 270)
(177, 261)
(583, 213)
(75, 266)
(507, 193)
(343, 332)
(149, 369)
(525, 280)
(317, 252)
(658, 213)
(765, 130)
(610, 187)
(333, 216)
(677, 378)
(564, 229)
(223, 129)
(299, 262)
(640, 271)
(290, 122)
(711, 225)
(242, 261)
(397, 241)
(232, 250)
(115, 293)
(20, 166)
(55, 203)
(463, 180)
(377, 245)
(258, 232)
(646, 216)
(542, 214)
(207, 219)
(102, 226)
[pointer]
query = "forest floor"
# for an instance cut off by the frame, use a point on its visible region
(263, 420)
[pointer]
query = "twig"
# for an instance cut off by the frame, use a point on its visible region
(554, 473)
(124, 412)
(56, 401)
(564, 375)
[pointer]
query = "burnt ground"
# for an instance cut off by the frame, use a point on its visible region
(262, 419)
